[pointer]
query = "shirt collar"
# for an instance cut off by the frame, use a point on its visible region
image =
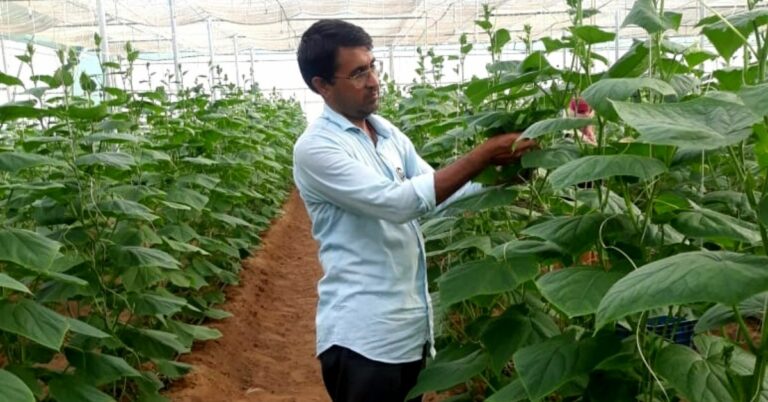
(344, 123)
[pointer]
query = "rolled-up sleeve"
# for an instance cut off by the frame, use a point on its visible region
(325, 170)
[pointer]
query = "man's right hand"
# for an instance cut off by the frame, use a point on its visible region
(504, 149)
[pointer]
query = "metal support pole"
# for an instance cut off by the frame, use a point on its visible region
(253, 72)
(174, 43)
(5, 68)
(104, 41)
(237, 61)
(392, 62)
(209, 25)
(616, 40)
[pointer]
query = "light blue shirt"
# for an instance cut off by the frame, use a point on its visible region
(364, 201)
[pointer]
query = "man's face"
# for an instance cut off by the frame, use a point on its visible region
(355, 91)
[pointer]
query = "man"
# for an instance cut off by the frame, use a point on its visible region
(364, 186)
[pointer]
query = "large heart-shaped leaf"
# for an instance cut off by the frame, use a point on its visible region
(484, 277)
(577, 291)
(756, 98)
(112, 138)
(117, 160)
(12, 389)
(708, 122)
(722, 34)
(596, 167)
(721, 314)
(486, 198)
(516, 328)
(187, 196)
(550, 158)
(592, 34)
(126, 209)
(137, 257)
(546, 366)
(443, 375)
(703, 223)
(99, 368)
(15, 161)
(10, 80)
(70, 389)
(512, 392)
(645, 15)
(10, 283)
(633, 63)
(34, 321)
(515, 249)
(694, 377)
(600, 94)
(27, 249)
(699, 276)
(573, 233)
(555, 126)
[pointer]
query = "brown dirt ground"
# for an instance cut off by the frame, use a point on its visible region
(267, 351)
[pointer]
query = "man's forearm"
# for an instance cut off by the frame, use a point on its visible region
(451, 178)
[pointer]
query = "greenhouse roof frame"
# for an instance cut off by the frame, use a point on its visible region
(205, 27)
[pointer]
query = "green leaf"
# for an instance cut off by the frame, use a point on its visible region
(12, 389)
(546, 366)
(573, 233)
(154, 343)
(21, 110)
(693, 277)
(695, 57)
(139, 278)
(703, 223)
(695, 378)
(597, 167)
(721, 314)
(484, 277)
(117, 160)
(186, 196)
(188, 333)
(10, 80)
(112, 138)
(10, 283)
(230, 220)
(703, 123)
(756, 98)
(761, 146)
(550, 158)
(500, 38)
(16, 161)
(99, 368)
(94, 113)
(577, 291)
(34, 321)
(591, 34)
(512, 392)
(126, 209)
(489, 197)
(202, 180)
(82, 328)
(150, 304)
(633, 63)
(480, 242)
(555, 126)
(505, 335)
(443, 375)
(27, 249)
(645, 15)
(68, 389)
(600, 94)
(137, 257)
(514, 249)
(723, 37)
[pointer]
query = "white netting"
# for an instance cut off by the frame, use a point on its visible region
(277, 25)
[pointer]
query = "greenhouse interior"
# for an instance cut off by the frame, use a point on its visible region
(551, 200)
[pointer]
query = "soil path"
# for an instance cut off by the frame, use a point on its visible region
(267, 353)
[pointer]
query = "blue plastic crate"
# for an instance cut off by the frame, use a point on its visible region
(676, 329)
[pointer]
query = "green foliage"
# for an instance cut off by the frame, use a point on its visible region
(122, 214)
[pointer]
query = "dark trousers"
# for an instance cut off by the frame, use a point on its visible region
(351, 377)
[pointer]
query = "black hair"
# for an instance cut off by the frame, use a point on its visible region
(320, 45)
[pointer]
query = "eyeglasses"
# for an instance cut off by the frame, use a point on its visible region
(358, 80)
